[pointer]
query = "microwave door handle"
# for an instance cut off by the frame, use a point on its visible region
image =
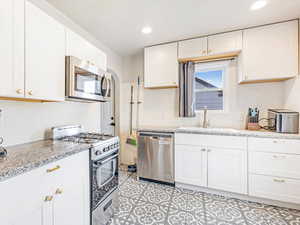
(107, 83)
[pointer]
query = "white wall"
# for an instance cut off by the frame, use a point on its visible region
(160, 106)
(24, 122)
(292, 91)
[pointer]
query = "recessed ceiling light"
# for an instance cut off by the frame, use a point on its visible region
(259, 4)
(147, 30)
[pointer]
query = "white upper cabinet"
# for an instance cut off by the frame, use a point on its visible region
(192, 48)
(45, 56)
(225, 43)
(270, 52)
(161, 66)
(12, 48)
(82, 49)
(212, 45)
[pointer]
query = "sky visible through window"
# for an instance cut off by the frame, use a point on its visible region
(213, 77)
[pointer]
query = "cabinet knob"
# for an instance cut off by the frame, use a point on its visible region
(203, 149)
(48, 198)
(203, 52)
(58, 191)
(19, 91)
(30, 92)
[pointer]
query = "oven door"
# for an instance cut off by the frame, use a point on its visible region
(85, 81)
(105, 178)
(105, 170)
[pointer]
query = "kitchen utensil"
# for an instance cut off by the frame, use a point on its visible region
(3, 151)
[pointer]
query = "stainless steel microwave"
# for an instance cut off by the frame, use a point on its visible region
(86, 82)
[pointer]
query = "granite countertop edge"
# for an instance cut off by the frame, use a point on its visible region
(18, 170)
(229, 132)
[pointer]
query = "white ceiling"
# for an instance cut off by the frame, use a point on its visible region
(118, 23)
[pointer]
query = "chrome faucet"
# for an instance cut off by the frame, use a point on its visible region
(205, 122)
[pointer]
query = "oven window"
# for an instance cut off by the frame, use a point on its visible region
(105, 172)
(87, 83)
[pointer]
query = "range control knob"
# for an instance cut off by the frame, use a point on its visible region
(98, 152)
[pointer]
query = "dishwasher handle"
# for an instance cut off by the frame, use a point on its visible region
(156, 135)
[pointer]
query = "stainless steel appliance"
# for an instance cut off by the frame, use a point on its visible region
(104, 154)
(283, 121)
(86, 82)
(156, 156)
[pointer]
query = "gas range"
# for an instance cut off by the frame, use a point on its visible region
(104, 175)
(100, 144)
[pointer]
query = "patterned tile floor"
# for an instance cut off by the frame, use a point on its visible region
(145, 203)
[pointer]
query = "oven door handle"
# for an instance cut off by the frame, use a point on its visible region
(106, 160)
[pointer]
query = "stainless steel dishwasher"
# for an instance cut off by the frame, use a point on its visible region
(156, 156)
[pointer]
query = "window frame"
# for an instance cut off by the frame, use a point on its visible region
(213, 66)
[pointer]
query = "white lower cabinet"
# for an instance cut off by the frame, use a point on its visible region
(227, 170)
(213, 167)
(275, 188)
(190, 165)
(55, 194)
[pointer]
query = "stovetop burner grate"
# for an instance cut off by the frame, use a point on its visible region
(86, 138)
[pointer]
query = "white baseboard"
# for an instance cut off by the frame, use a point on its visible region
(238, 196)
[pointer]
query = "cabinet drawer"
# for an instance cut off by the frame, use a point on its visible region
(61, 173)
(211, 140)
(275, 188)
(274, 145)
(275, 164)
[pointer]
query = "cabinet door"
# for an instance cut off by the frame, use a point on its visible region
(190, 165)
(161, 66)
(22, 199)
(192, 48)
(270, 52)
(12, 48)
(225, 43)
(71, 195)
(45, 56)
(227, 170)
(82, 49)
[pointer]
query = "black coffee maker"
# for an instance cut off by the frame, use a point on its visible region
(3, 151)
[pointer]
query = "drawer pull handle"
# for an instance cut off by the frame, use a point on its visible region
(58, 191)
(203, 149)
(279, 157)
(48, 198)
(53, 169)
(278, 180)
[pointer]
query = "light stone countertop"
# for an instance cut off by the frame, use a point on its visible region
(26, 157)
(236, 132)
(221, 131)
